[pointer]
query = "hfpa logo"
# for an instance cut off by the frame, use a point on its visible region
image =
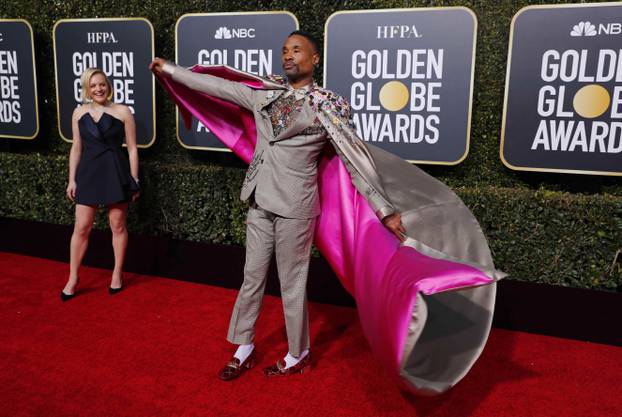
(587, 28)
(226, 33)
(397, 31)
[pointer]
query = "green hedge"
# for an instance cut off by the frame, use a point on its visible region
(198, 203)
(556, 228)
(543, 236)
(482, 166)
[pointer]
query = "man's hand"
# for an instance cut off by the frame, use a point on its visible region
(393, 222)
(157, 65)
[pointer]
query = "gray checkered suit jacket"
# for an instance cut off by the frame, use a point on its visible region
(283, 171)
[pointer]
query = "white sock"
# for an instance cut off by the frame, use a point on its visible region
(291, 360)
(243, 352)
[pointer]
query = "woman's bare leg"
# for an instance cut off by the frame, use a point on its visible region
(79, 243)
(117, 214)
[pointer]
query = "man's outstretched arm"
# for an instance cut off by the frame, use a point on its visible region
(232, 91)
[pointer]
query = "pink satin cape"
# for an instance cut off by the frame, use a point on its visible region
(383, 276)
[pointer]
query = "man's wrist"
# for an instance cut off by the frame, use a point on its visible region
(168, 69)
(385, 212)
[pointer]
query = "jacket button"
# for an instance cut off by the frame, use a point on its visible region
(271, 143)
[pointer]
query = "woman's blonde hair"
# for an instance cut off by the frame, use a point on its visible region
(85, 79)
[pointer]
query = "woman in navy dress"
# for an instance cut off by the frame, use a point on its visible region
(100, 173)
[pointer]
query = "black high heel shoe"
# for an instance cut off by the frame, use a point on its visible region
(113, 291)
(66, 297)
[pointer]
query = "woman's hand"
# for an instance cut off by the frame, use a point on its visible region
(136, 194)
(393, 222)
(71, 190)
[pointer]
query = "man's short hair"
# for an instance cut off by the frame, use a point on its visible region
(309, 37)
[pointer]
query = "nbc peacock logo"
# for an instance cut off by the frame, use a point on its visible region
(583, 29)
(223, 33)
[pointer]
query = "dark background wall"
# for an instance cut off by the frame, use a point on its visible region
(555, 228)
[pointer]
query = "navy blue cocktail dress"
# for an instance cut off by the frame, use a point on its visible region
(103, 174)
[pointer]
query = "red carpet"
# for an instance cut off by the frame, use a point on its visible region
(155, 349)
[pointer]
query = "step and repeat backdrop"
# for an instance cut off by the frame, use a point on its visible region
(249, 42)
(563, 96)
(409, 80)
(407, 73)
(19, 112)
(123, 49)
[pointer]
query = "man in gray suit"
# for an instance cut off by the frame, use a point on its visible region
(281, 186)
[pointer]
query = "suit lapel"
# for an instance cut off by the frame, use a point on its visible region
(301, 122)
(271, 95)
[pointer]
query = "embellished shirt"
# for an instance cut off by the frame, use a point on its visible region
(284, 110)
